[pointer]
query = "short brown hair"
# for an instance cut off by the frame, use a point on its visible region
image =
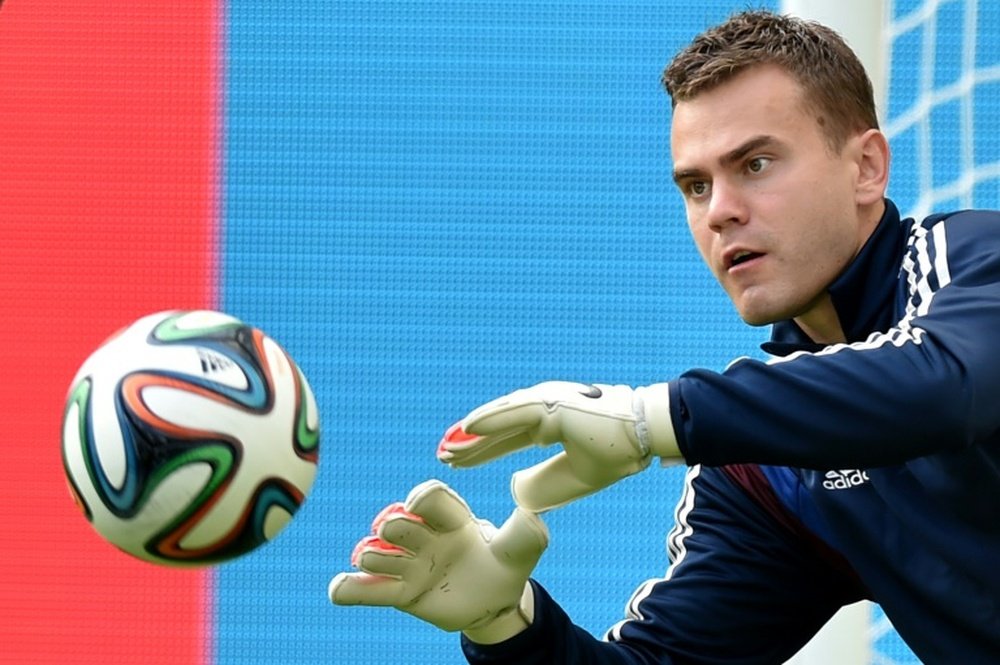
(833, 80)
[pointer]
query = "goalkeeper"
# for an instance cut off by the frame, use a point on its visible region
(861, 462)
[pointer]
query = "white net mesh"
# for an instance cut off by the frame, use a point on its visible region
(942, 117)
(943, 110)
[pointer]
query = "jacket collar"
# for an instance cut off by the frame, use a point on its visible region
(861, 294)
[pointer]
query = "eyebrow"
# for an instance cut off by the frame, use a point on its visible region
(735, 155)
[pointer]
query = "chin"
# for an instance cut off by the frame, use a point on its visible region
(758, 321)
(760, 318)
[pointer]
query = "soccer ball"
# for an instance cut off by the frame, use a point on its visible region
(189, 438)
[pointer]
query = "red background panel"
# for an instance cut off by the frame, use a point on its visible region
(108, 196)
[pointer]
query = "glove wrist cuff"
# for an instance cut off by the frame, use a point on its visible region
(654, 426)
(508, 623)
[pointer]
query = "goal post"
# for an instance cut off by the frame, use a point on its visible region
(845, 639)
(935, 69)
(862, 25)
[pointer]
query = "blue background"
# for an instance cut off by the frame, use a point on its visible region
(429, 205)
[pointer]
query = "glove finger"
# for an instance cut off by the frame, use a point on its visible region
(364, 589)
(520, 410)
(521, 540)
(439, 506)
(374, 543)
(458, 448)
(389, 511)
(455, 439)
(410, 534)
(498, 427)
(551, 484)
(384, 563)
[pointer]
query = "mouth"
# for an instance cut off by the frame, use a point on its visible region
(739, 257)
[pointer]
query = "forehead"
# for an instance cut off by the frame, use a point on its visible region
(760, 101)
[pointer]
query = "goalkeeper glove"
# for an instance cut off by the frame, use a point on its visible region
(432, 558)
(607, 433)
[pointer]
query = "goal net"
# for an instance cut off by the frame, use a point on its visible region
(942, 103)
(935, 65)
(941, 113)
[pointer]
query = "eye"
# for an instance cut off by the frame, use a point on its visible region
(758, 164)
(696, 188)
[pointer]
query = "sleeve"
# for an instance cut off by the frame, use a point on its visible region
(744, 586)
(930, 383)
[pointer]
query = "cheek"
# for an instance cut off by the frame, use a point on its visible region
(823, 254)
(815, 220)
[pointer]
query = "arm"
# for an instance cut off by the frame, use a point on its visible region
(747, 584)
(929, 383)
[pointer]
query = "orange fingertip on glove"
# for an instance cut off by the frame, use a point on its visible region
(454, 438)
(374, 543)
(392, 510)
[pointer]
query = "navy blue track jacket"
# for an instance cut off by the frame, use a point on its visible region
(831, 474)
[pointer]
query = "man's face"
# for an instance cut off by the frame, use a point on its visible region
(772, 210)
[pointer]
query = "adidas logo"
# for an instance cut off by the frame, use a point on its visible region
(213, 362)
(843, 479)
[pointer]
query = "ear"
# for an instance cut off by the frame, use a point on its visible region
(873, 167)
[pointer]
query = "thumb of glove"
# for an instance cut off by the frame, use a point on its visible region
(559, 480)
(547, 485)
(520, 541)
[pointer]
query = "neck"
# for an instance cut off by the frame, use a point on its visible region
(821, 322)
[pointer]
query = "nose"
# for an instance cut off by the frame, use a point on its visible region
(726, 205)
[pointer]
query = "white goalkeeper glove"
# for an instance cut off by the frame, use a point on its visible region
(607, 433)
(432, 558)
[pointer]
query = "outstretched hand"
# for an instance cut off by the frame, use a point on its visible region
(607, 433)
(431, 557)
